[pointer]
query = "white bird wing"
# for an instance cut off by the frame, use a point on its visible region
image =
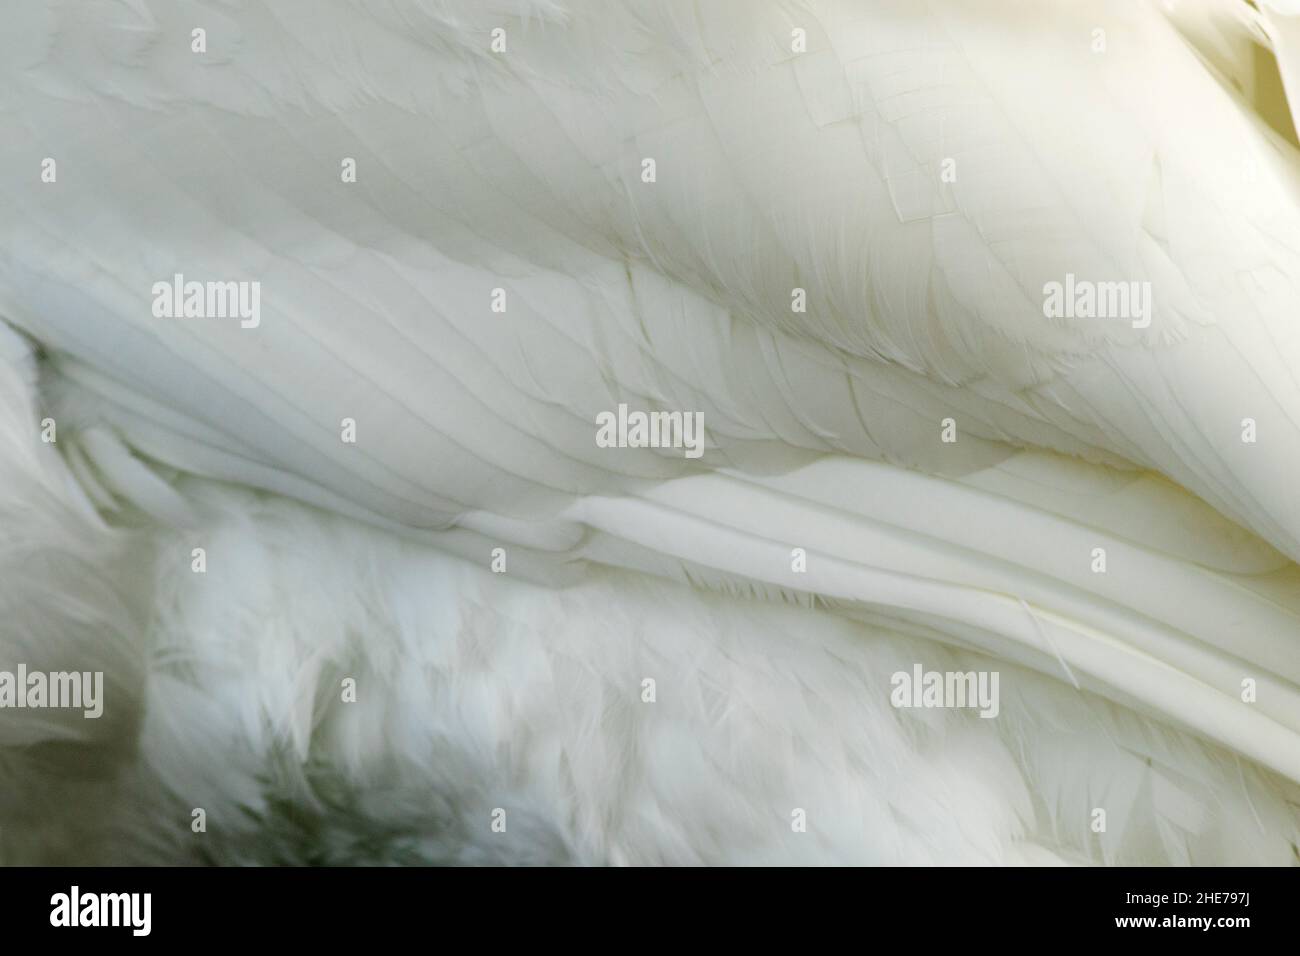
(921, 171)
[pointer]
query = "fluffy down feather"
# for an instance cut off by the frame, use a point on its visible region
(477, 691)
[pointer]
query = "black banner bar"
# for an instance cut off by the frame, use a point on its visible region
(336, 905)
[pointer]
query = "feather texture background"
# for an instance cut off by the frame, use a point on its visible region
(774, 171)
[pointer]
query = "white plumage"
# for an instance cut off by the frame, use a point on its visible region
(1159, 157)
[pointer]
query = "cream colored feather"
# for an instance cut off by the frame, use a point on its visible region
(922, 172)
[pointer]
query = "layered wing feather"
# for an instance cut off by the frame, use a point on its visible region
(824, 170)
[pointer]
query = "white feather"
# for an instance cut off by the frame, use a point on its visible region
(818, 171)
